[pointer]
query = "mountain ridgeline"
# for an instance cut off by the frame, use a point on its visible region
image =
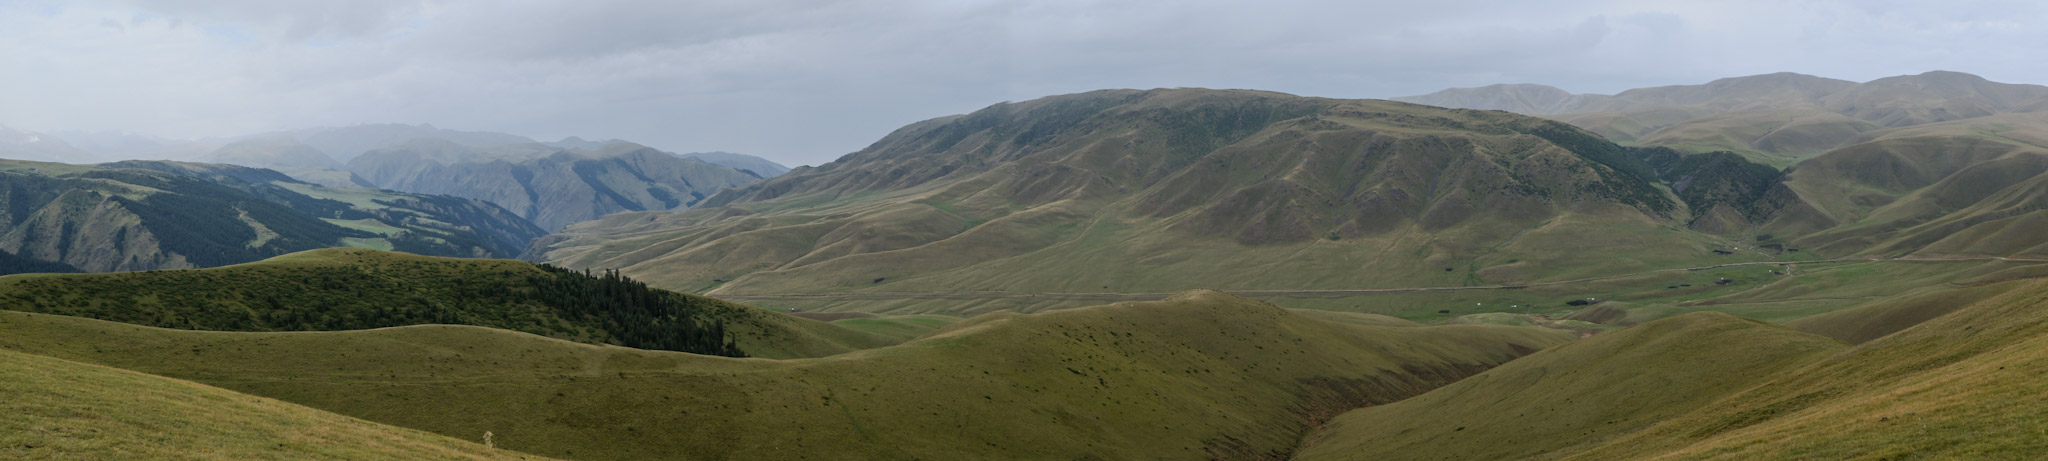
(1160, 190)
(1778, 118)
(549, 186)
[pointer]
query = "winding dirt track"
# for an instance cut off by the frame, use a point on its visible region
(1135, 296)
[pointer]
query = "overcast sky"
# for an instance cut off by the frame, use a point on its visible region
(803, 82)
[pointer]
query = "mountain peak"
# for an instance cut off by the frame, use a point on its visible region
(1521, 98)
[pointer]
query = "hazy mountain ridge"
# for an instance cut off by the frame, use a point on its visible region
(1784, 114)
(23, 145)
(549, 186)
(753, 165)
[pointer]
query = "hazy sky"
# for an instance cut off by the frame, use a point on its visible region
(803, 82)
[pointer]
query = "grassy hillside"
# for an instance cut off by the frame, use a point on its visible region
(1969, 188)
(1961, 385)
(899, 328)
(1575, 395)
(1196, 376)
(348, 289)
(1874, 320)
(1166, 190)
(58, 409)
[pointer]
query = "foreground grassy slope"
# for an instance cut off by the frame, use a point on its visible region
(1575, 395)
(58, 409)
(1962, 385)
(1966, 385)
(1197, 376)
(899, 328)
(342, 289)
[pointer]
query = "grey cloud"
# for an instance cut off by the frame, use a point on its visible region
(807, 81)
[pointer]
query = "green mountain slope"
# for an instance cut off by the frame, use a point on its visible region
(435, 225)
(351, 289)
(1163, 190)
(1974, 187)
(1199, 375)
(113, 219)
(58, 409)
(550, 186)
(1962, 385)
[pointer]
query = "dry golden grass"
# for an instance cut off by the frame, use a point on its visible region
(58, 409)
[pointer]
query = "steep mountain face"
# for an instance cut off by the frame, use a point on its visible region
(1777, 118)
(1727, 193)
(131, 216)
(1159, 190)
(550, 187)
(757, 166)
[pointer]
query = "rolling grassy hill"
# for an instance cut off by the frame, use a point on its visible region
(1165, 190)
(1576, 394)
(59, 409)
(1200, 375)
(1961, 385)
(347, 289)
